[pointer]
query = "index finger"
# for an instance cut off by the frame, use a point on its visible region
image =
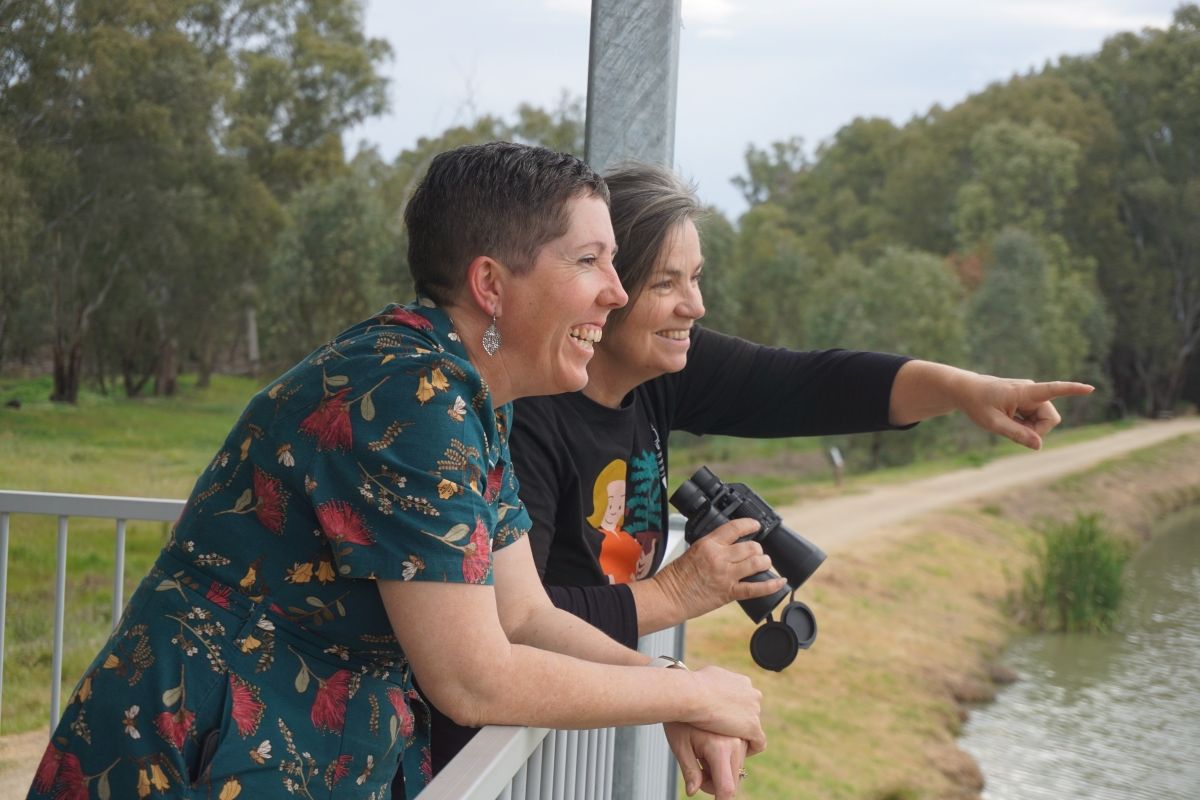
(1041, 392)
(735, 529)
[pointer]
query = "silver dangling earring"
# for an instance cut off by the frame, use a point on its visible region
(491, 338)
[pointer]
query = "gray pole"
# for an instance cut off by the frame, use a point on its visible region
(633, 72)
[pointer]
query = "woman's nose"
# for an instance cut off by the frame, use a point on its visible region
(613, 295)
(692, 306)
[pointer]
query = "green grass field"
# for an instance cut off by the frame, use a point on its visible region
(141, 448)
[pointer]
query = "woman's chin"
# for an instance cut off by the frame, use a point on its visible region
(567, 382)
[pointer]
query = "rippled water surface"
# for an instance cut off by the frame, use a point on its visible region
(1115, 716)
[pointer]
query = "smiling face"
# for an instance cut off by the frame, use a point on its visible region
(553, 314)
(614, 509)
(652, 339)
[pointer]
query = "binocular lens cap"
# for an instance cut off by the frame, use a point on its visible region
(774, 645)
(800, 619)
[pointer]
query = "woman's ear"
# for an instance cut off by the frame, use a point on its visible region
(485, 282)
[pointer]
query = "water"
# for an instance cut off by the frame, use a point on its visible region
(1107, 717)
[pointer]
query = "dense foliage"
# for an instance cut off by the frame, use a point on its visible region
(174, 188)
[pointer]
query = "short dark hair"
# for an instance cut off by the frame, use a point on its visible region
(500, 199)
(647, 203)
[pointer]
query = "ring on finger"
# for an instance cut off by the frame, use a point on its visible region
(742, 773)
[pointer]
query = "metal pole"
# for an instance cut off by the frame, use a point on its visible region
(633, 74)
(3, 592)
(60, 608)
(119, 575)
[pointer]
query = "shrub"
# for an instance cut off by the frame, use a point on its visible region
(1076, 581)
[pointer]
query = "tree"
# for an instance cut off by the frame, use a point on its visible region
(904, 301)
(772, 278)
(18, 225)
(718, 240)
(1023, 178)
(305, 73)
(124, 112)
(769, 174)
(328, 266)
(1149, 83)
(1028, 319)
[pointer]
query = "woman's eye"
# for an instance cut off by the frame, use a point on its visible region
(588, 260)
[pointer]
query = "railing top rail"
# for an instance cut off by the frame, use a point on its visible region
(486, 764)
(90, 505)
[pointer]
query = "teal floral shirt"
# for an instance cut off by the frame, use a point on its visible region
(378, 456)
(257, 659)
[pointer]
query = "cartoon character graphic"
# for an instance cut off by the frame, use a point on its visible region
(620, 553)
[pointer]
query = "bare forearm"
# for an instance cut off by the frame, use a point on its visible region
(551, 628)
(923, 389)
(707, 576)
(1016, 408)
(470, 669)
(658, 607)
(559, 691)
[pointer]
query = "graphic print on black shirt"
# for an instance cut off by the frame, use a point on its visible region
(623, 505)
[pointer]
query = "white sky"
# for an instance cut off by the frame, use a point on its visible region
(750, 71)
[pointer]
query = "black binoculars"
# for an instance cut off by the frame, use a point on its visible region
(708, 503)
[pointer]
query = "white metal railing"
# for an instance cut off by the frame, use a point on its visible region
(65, 506)
(500, 763)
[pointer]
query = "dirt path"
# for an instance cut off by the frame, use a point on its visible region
(833, 524)
(842, 521)
(19, 756)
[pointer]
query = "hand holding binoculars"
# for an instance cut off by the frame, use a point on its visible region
(708, 503)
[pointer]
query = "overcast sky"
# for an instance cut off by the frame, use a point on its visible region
(750, 72)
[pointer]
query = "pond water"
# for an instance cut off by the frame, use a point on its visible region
(1107, 717)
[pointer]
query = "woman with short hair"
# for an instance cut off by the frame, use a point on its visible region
(360, 529)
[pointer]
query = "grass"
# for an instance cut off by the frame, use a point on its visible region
(1076, 582)
(148, 447)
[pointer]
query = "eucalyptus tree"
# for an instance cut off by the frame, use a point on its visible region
(144, 127)
(18, 223)
(902, 301)
(1148, 81)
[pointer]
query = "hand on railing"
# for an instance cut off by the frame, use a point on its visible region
(709, 762)
(732, 706)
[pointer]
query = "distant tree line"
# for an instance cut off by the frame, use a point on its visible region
(172, 169)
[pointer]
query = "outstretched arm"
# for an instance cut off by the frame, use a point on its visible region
(1020, 410)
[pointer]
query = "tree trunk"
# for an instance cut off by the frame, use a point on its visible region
(166, 375)
(68, 360)
(876, 450)
(133, 379)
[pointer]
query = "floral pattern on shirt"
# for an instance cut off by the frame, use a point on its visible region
(257, 659)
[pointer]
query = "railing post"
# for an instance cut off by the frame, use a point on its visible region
(3, 593)
(119, 575)
(60, 610)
